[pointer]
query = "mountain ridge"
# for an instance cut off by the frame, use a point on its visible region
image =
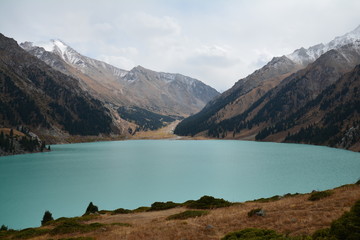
(257, 103)
(158, 93)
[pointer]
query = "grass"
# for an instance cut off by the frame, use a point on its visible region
(75, 227)
(316, 196)
(292, 217)
(30, 233)
(121, 224)
(187, 214)
(76, 238)
(207, 202)
(82, 219)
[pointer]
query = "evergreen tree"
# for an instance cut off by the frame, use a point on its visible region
(47, 218)
(3, 228)
(91, 209)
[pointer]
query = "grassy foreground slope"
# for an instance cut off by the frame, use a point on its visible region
(292, 215)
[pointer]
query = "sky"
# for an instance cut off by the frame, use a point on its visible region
(215, 41)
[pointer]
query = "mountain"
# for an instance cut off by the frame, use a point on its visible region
(50, 103)
(133, 95)
(257, 104)
(333, 118)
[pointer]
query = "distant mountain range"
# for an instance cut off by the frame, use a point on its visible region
(56, 92)
(132, 95)
(309, 96)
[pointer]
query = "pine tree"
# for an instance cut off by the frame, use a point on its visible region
(91, 209)
(47, 218)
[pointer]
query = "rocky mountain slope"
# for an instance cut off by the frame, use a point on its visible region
(44, 100)
(135, 95)
(249, 110)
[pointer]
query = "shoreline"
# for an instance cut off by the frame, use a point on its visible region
(281, 212)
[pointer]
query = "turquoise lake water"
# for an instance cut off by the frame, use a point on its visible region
(129, 174)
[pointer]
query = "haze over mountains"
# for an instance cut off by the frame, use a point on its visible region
(139, 99)
(308, 96)
(283, 101)
(59, 93)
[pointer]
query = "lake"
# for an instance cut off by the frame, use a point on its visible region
(130, 174)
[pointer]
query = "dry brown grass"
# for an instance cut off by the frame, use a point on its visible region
(291, 215)
(162, 133)
(6, 131)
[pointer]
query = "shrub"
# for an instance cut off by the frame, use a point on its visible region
(358, 182)
(257, 212)
(46, 218)
(207, 202)
(141, 209)
(91, 209)
(75, 227)
(122, 224)
(322, 234)
(82, 219)
(78, 238)
(187, 214)
(254, 234)
(30, 233)
(162, 206)
(315, 196)
(270, 199)
(121, 211)
(3, 228)
(348, 225)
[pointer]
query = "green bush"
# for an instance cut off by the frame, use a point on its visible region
(121, 224)
(187, 214)
(75, 227)
(3, 228)
(254, 234)
(207, 202)
(358, 182)
(121, 211)
(315, 196)
(82, 219)
(141, 209)
(270, 199)
(348, 225)
(323, 234)
(156, 206)
(78, 238)
(30, 233)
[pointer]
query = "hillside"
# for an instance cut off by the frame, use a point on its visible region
(263, 112)
(293, 215)
(161, 97)
(44, 100)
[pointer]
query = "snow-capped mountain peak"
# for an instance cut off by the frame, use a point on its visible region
(304, 56)
(73, 58)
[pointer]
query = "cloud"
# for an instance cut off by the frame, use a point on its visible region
(118, 61)
(213, 55)
(217, 42)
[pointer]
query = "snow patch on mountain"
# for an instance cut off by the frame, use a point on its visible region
(304, 56)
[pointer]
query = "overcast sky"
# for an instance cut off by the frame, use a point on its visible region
(215, 41)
